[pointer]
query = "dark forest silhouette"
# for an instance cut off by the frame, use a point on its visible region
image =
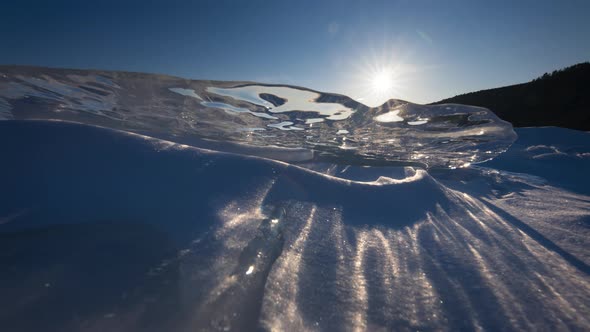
(560, 98)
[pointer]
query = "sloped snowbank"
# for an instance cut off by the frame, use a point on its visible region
(104, 230)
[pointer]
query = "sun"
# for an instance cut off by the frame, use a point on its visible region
(382, 82)
(381, 73)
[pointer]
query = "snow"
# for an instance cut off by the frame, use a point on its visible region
(139, 234)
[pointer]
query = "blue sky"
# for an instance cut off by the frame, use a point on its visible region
(429, 50)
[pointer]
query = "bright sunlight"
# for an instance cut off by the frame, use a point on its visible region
(382, 74)
(383, 82)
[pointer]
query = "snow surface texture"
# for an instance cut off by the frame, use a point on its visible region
(106, 230)
(103, 230)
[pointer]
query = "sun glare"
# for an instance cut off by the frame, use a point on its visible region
(383, 73)
(382, 79)
(382, 82)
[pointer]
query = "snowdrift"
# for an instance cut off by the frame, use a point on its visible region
(108, 230)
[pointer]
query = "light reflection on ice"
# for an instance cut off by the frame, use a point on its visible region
(391, 116)
(186, 92)
(195, 112)
(285, 125)
(294, 100)
(417, 123)
(230, 108)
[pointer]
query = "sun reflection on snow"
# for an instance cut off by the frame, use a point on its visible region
(457, 270)
(415, 276)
